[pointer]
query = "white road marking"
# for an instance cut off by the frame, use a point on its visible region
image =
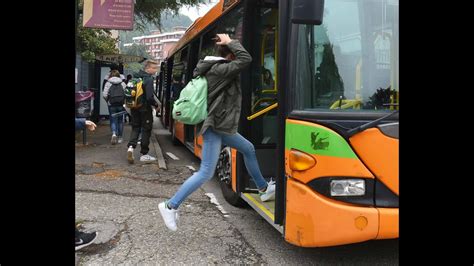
(215, 202)
(172, 156)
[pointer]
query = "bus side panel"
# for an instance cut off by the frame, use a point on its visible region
(332, 153)
(179, 131)
(197, 144)
(234, 169)
(380, 153)
(328, 166)
(388, 223)
(313, 220)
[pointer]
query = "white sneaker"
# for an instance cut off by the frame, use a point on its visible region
(130, 157)
(120, 140)
(269, 193)
(147, 158)
(113, 140)
(169, 216)
(139, 142)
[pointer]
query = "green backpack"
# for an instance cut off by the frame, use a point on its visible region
(191, 107)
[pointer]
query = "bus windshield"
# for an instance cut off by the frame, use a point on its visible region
(351, 60)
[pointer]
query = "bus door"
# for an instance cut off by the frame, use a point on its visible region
(165, 105)
(193, 59)
(159, 84)
(200, 48)
(260, 101)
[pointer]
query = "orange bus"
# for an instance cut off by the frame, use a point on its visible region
(320, 103)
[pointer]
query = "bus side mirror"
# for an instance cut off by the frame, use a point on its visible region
(307, 12)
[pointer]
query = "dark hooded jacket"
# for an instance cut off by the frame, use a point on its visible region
(148, 88)
(224, 100)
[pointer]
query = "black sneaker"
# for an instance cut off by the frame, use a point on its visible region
(84, 239)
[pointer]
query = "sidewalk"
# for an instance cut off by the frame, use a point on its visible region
(101, 137)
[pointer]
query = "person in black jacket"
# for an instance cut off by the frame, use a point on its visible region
(143, 116)
(127, 115)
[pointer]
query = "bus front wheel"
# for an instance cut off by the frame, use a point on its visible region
(224, 175)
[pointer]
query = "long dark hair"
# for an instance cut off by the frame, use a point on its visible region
(223, 50)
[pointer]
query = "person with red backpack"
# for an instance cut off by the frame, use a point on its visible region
(114, 95)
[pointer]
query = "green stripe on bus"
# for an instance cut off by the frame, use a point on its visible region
(316, 140)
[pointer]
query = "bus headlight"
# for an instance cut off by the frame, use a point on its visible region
(348, 187)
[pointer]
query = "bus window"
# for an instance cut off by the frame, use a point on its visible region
(208, 45)
(178, 67)
(165, 97)
(351, 60)
(231, 24)
(160, 82)
(264, 76)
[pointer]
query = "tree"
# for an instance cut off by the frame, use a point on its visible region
(137, 49)
(133, 67)
(173, 20)
(151, 11)
(92, 42)
(98, 41)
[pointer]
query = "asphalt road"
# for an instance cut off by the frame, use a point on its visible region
(120, 202)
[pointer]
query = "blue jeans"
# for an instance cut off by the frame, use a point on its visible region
(210, 156)
(116, 122)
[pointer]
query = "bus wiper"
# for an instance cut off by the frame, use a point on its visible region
(374, 123)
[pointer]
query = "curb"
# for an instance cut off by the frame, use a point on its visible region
(159, 153)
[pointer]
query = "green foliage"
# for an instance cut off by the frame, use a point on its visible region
(133, 67)
(151, 11)
(381, 98)
(92, 42)
(148, 15)
(172, 20)
(136, 49)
